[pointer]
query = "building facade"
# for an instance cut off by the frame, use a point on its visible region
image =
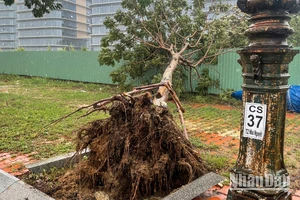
(65, 28)
(8, 34)
(78, 24)
(100, 10)
(60, 29)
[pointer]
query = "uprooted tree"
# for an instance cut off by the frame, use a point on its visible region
(139, 150)
(148, 36)
(156, 40)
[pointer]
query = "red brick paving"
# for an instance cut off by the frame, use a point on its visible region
(15, 163)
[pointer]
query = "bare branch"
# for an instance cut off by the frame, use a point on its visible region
(190, 54)
(191, 36)
(173, 30)
(126, 98)
(197, 72)
(103, 108)
(184, 48)
(103, 102)
(179, 108)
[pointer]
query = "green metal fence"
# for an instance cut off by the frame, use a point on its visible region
(68, 65)
(230, 72)
(83, 66)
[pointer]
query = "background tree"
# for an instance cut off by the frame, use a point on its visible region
(234, 25)
(39, 7)
(295, 38)
(161, 36)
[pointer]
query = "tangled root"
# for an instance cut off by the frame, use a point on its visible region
(137, 152)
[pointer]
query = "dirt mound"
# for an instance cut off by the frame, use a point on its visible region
(138, 152)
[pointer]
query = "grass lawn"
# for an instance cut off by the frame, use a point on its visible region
(29, 104)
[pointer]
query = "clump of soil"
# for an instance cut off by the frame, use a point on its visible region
(136, 153)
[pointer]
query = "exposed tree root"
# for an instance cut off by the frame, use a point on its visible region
(138, 152)
(127, 98)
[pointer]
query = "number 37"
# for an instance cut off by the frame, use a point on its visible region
(251, 123)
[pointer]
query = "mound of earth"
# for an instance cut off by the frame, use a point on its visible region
(136, 153)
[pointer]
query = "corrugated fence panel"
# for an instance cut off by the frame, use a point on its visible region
(73, 65)
(83, 66)
(294, 70)
(228, 71)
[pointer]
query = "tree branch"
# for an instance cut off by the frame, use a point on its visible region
(147, 43)
(205, 55)
(144, 27)
(200, 37)
(184, 48)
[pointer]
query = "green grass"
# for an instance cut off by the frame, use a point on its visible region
(217, 162)
(218, 120)
(211, 99)
(29, 104)
(199, 144)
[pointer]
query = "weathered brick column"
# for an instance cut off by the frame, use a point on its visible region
(260, 172)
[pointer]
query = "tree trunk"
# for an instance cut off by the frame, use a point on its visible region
(162, 95)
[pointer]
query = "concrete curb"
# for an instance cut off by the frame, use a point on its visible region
(196, 187)
(13, 188)
(65, 160)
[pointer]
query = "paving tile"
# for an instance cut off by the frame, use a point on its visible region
(6, 180)
(7, 169)
(15, 164)
(20, 173)
(223, 190)
(297, 193)
(4, 155)
(295, 198)
(2, 165)
(20, 190)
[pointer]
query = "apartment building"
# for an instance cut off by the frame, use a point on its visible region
(7, 27)
(78, 24)
(100, 10)
(68, 27)
(65, 28)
